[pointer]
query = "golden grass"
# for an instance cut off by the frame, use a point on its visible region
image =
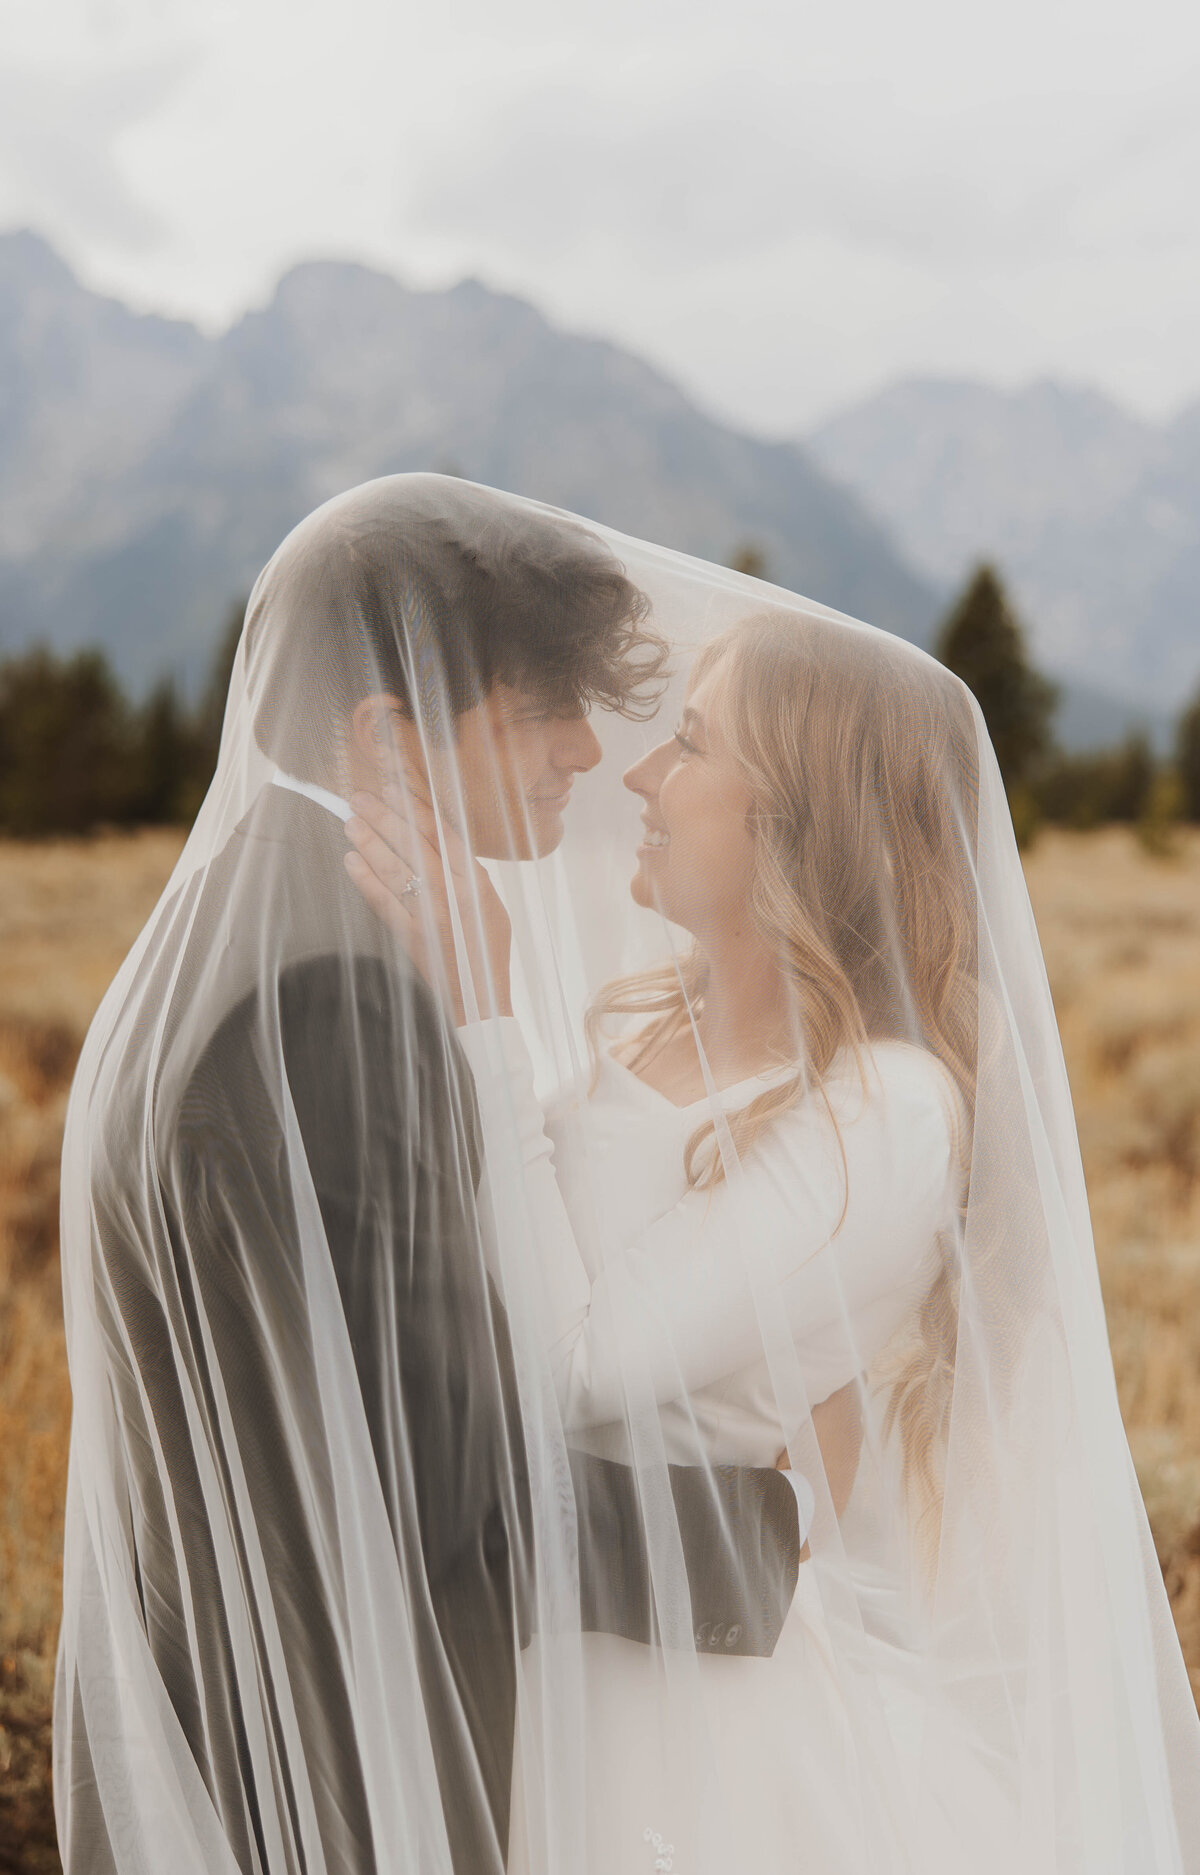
(1121, 932)
(69, 911)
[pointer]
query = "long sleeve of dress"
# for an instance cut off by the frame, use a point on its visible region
(833, 1229)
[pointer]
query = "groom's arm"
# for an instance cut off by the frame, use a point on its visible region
(739, 1529)
(743, 1537)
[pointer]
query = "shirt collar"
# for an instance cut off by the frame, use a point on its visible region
(322, 796)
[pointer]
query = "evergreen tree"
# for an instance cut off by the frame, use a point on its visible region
(1133, 773)
(74, 755)
(67, 745)
(1187, 748)
(982, 641)
(210, 714)
(166, 761)
(749, 558)
(1100, 785)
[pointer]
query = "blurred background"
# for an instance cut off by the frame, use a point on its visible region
(896, 307)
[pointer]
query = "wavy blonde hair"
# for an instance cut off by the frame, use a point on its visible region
(861, 760)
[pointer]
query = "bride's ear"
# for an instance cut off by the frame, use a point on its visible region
(385, 738)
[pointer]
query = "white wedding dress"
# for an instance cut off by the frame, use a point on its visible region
(704, 1765)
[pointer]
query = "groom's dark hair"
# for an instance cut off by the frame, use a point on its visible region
(435, 591)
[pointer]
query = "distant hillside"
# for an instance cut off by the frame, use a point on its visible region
(1092, 514)
(147, 472)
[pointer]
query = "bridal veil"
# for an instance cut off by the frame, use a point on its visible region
(416, 1524)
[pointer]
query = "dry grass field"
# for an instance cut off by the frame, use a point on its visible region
(1121, 934)
(1122, 937)
(68, 913)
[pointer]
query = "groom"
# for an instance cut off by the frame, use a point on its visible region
(411, 594)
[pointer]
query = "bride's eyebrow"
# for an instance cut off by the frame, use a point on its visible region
(690, 718)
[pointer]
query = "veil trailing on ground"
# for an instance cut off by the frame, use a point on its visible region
(578, 1378)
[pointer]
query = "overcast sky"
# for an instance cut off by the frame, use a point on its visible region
(783, 204)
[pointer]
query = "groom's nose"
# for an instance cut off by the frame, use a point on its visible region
(576, 745)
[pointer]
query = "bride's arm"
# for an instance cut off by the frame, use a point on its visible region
(743, 1538)
(836, 1253)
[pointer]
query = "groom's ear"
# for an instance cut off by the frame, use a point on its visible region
(384, 736)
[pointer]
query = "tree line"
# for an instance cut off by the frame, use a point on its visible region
(982, 641)
(76, 754)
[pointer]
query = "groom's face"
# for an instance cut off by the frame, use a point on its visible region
(516, 758)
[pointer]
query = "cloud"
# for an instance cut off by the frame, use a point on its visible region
(59, 157)
(743, 166)
(783, 205)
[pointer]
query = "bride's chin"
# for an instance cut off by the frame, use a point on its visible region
(640, 889)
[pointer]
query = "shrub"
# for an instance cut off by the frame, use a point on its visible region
(1089, 790)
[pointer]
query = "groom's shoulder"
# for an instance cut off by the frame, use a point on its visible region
(359, 1052)
(283, 954)
(365, 1005)
(277, 897)
(340, 1008)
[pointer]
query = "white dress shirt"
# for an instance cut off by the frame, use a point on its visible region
(310, 789)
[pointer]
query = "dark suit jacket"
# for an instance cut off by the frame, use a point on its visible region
(207, 1276)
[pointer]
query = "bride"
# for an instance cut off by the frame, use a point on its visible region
(764, 1192)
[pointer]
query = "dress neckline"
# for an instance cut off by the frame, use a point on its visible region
(768, 1075)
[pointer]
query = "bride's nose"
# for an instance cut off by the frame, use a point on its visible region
(644, 777)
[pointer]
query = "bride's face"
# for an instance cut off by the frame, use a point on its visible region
(696, 860)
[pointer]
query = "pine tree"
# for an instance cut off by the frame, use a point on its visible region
(982, 641)
(166, 761)
(67, 745)
(1187, 755)
(1133, 775)
(750, 559)
(210, 715)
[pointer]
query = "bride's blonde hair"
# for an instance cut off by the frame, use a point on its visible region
(861, 761)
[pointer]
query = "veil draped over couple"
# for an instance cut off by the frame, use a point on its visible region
(586, 1343)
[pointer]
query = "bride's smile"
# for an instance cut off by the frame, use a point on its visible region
(695, 862)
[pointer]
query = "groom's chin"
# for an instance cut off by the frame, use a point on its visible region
(541, 835)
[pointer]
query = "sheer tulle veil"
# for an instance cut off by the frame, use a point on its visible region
(431, 1363)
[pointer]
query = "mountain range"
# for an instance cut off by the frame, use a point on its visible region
(147, 471)
(1092, 513)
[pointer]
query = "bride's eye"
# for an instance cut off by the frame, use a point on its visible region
(683, 742)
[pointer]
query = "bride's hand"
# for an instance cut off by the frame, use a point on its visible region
(406, 868)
